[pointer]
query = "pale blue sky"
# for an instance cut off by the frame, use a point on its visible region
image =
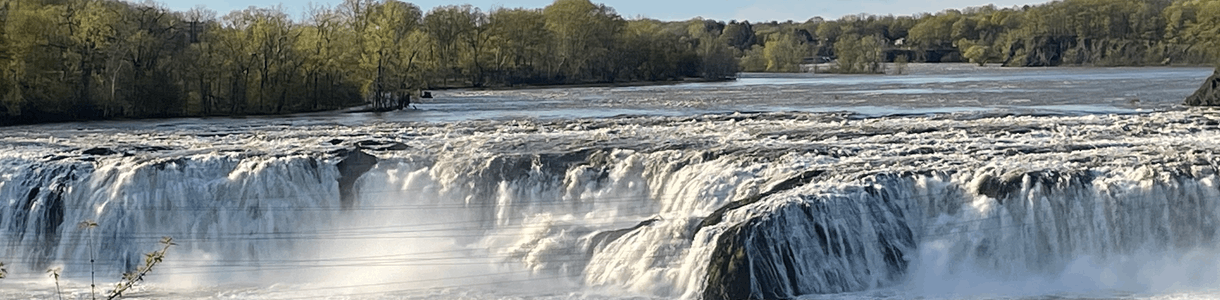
(669, 10)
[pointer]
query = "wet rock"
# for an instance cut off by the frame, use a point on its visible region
(99, 151)
(381, 146)
(997, 187)
(1208, 94)
(152, 148)
(354, 164)
(728, 274)
(787, 184)
(1003, 187)
(601, 239)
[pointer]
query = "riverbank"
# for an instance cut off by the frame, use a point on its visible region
(355, 107)
(926, 88)
(593, 84)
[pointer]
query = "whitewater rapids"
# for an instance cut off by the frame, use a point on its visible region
(702, 206)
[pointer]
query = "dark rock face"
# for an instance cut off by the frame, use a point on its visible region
(728, 275)
(1208, 94)
(788, 184)
(815, 245)
(99, 152)
(1041, 51)
(381, 145)
(601, 239)
(1005, 186)
(354, 164)
(730, 270)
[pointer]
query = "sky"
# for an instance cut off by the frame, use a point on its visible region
(666, 10)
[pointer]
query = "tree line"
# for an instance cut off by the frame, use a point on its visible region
(1064, 32)
(94, 59)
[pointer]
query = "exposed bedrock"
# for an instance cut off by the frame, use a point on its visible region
(1208, 94)
(354, 164)
(814, 244)
(825, 238)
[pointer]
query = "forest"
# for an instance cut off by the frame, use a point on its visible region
(63, 60)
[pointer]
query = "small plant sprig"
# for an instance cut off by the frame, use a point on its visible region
(150, 260)
(3, 271)
(89, 225)
(55, 274)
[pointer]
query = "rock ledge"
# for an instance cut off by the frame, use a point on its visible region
(1208, 94)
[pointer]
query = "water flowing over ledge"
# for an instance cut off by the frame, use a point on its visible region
(719, 206)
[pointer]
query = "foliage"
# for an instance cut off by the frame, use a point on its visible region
(89, 225)
(783, 53)
(95, 59)
(151, 259)
(91, 59)
(55, 275)
(976, 53)
(584, 33)
(858, 54)
(901, 64)
(753, 60)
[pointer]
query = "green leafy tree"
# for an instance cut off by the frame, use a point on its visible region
(519, 42)
(858, 54)
(268, 39)
(585, 33)
(783, 53)
(753, 60)
(385, 57)
(449, 27)
(739, 35)
(977, 54)
(142, 64)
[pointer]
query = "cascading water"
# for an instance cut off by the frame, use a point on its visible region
(713, 206)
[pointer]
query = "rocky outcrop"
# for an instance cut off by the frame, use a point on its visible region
(849, 240)
(1208, 94)
(728, 274)
(790, 183)
(1040, 51)
(730, 270)
(601, 239)
(381, 145)
(354, 164)
(99, 151)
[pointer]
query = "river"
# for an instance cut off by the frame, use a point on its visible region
(953, 181)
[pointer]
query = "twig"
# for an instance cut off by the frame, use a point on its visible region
(150, 260)
(55, 274)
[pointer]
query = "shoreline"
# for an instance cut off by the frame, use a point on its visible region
(913, 69)
(589, 85)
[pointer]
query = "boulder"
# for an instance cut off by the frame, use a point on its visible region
(1208, 94)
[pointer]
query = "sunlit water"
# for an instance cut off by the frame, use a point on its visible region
(950, 182)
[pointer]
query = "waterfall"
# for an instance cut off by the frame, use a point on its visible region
(718, 207)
